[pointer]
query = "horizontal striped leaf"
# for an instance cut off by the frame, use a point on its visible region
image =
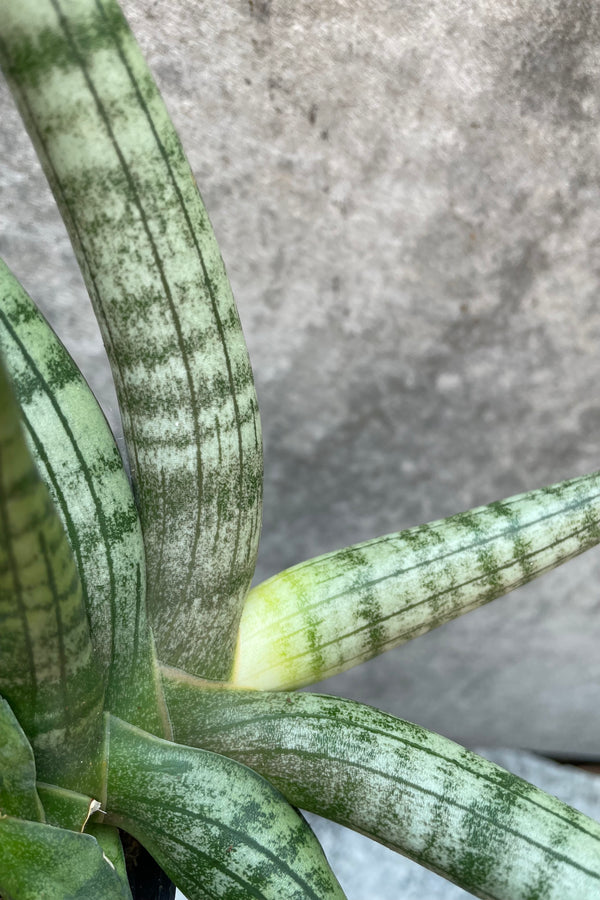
(420, 794)
(157, 281)
(333, 612)
(78, 459)
(48, 672)
(40, 861)
(215, 827)
(18, 794)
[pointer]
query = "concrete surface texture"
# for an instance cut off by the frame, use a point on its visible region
(407, 200)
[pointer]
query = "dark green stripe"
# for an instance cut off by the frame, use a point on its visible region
(463, 550)
(380, 732)
(62, 657)
(412, 533)
(215, 310)
(139, 601)
(14, 569)
(163, 524)
(153, 247)
(31, 61)
(447, 801)
(220, 458)
(73, 534)
(257, 517)
(212, 862)
(72, 226)
(87, 475)
(432, 597)
(242, 837)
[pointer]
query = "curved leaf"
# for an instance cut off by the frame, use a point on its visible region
(333, 612)
(417, 792)
(215, 827)
(78, 459)
(42, 861)
(18, 795)
(156, 278)
(66, 809)
(48, 672)
(109, 839)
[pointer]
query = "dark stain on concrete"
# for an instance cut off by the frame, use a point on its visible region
(260, 9)
(554, 46)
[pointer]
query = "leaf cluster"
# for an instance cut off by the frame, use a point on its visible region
(147, 689)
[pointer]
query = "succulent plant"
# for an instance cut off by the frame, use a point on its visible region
(147, 689)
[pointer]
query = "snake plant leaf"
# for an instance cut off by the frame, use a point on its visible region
(169, 322)
(66, 809)
(77, 457)
(48, 672)
(333, 612)
(215, 827)
(420, 794)
(18, 794)
(110, 841)
(40, 861)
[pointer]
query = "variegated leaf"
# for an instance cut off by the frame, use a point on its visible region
(328, 614)
(48, 672)
(156, 278)
(40, 862)
(78, 459)
(214, 826)
(497, 836)
(18, 794)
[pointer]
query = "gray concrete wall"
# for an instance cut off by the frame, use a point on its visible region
(407, 200)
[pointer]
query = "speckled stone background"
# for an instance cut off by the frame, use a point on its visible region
(407, 197)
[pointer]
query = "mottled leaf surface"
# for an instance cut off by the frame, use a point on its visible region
(417, 792)
(40, 862)
(157, 281)
(110, 841)
(76, 455)
(48, 672)
(215, 827)
(18, 795)
(338, 610)
(66, 809)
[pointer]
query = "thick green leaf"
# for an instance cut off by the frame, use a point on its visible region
(134, 864)
(420, 794)
(215, 827)
(48, 672)
(109, 839)
(333, 612)
(40, 862)
(66, 809)
(18, 795)
(157, 281)
(78, 459)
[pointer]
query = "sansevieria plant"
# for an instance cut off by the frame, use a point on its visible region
(146, 689)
